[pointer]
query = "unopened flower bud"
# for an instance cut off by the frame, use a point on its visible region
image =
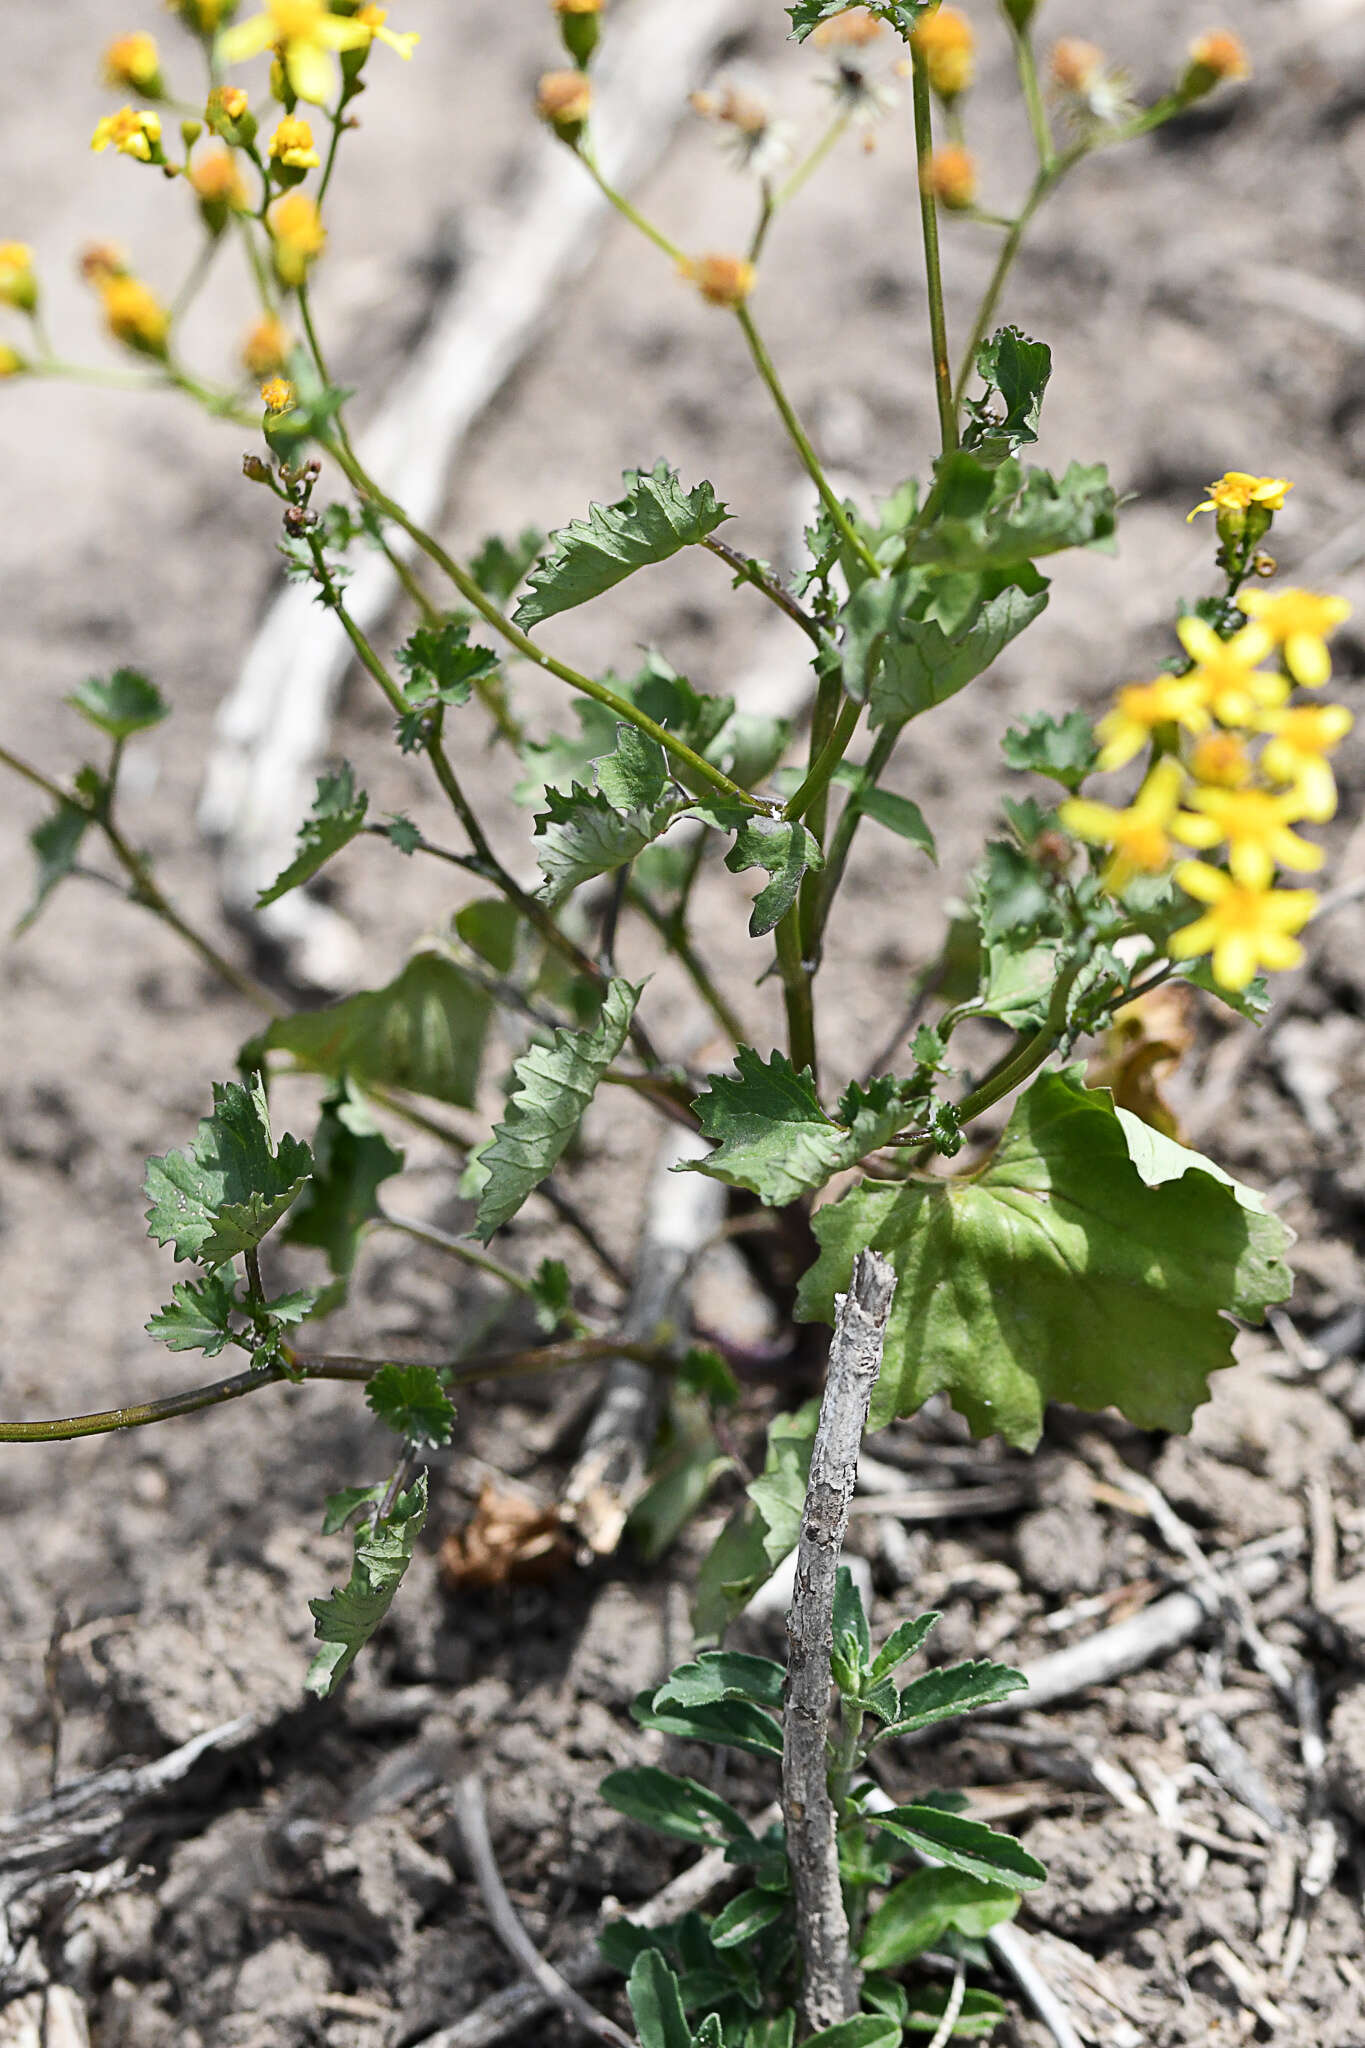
(945, 42)
(135, 315)
(102, 260)
(229, 115)
(217, 180)
(12, 364)
(266, 349)
(580, 27)
(1213, 59)
(254, 470)
(950, 175)
(18, 283)
(721, 280)
(563, 102)
(133, 60)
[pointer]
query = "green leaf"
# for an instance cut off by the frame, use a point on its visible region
(439, 664)
(402, 833)
(657, 2004)
(1003, 515)
(425, 1031)
(677, 1488)
(915, 639)
(746, 1916)
(56, 844)
(198, 1316)
(351, 1160)
(338, 814)
(981, 2012)
(763, 1530)
(1017, 982)
(772, 2033)
(703, 1371)
(725, 1723)
(552, 1294)
(784, 849)
(1015, 371)
(1063, 748)
(654, 519)
(1081, 1264)
(222, 1195)
(917, 1913)
(345, 1621)
(963, 1844)
(850, 1617)
(124, 704)
(724, 1675)
(673, 1806)
(581, 835)
(294, 1307)
(412, 1402)
(903, 1642)
(954, 1689)
(1251, 1002)
(341, 1505)
(711, 2032)
(772, 1136)
(634, 775)
(1014, 896)
(499, 565)
(864, 2030)
(898, 14)
(898, 815)
(551, 1088)
(490, 926)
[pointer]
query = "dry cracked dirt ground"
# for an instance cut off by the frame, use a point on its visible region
(1204, 296)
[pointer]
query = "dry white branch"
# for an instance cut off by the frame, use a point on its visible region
(829, 1988)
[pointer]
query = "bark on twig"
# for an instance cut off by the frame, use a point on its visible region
(829, 1991)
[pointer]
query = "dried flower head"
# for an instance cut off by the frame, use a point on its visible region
(564, 101)
(1213, 60)
(759, 143)
(1091, 91)
(950, 175)
(721, 280)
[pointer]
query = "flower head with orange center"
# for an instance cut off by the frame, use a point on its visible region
(1238, 491)
(135, 61)
(18, 283)
(135, 315)
(266, 348)
(218, 180)
(1213, 59)
(292, 145)
(1140, 708)
(1301, 739)
(1234, 689)
(277, 394)
(132, 133)
(304, 36)
(1299, 621)
(1222, 760)
(950, 176)
(1243, 928)
(298, 235)
(851, 29)
(564, 102)
(721, 280)
(1140, 836)
(1255, 826)
(945, 41)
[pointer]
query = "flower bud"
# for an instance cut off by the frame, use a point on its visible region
(133, 61)
(950, 176)
(580, 27)
(563, 102)
(266, 349)
(254, 470)
(217, 180)
(945, 43)
(135, 316)
(102, 260)
(229, 116)
(298, 235)
(18, 283)
(292, 152)
(12, 364)
(1213, 58)
(721, 280)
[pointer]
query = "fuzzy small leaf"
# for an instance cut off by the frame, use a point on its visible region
(656, 2003)
(673, 1806)
(723, 1675)
(56, 845)
(901, 15)
(902, 1642)
(341, 1505)
(634, 775)
(198, 1316)
(1063, 748)
(402, 833)
(763, 1530)
(425, 1031)
(1003, 515)
(500, 565)
(351, 1160)
(917, 1913)
(989, 1305)
(551, 1294)
(654, 519)
(124, 704)
(230, 1187)
(294, 1307)
(954, 1689)
(412, 1402)
(551, 1088)
(725, 1723)
(440, 666)
(338, 814)
(746, 1916)
(349, 1616)
(963, 1844)
(773, 1137)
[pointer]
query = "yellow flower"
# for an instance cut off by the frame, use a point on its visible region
(856, 26)
(292, 145)
(277, 394)
(721, 280)
(1255, 825)
(1140, 708)
(218, 180)
(373, 18)
(266, 348)
(1302, 738)
(1299, 621)
(12, 364)
(576, 6)
(945, 41)
(18, 285)
(1238, 491)
(1225, 670)
(950, 175)
(564, 101)
(299, 236)
(1140, 836)
(134, 60)
(303, 36)
(1213, 58)
(1222, 759)
(135, 315)
(225, 109)
(132, 133)
(1243, 928)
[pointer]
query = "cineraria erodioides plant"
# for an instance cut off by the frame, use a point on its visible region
(1087, 1256)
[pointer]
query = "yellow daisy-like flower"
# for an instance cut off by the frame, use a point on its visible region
(945, 41)
(1299, 622)
(373, 18)
(18, 284)
(277, 394)
(721, 280)
(950, 174)
(1301, 739)
(298, 234)
(135, 315)
(1221, 758)
(132, 133)
(304, 36)
(1238, 491)
(1255, 826)
(1140, 708)
(1243, 928)
(292, 145)
(134, 60)
(1226, 673)
(1139, 836)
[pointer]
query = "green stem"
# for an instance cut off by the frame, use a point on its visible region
(458, 1248)
(1027, 64)
(816, 785)
(747, 571)
(337, 126)
(785, 193)
(796, 992)
(836, 854)
(1030, 1055)
(928, 213)
(627, 211)
(676, 937)
(196, 279)
(763, 363)
(487, 610)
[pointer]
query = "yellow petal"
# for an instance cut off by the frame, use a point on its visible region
(247, 39)
(312, 73)
(1235, 960)
(1307, 659)
(1197, 637)
(340, 34)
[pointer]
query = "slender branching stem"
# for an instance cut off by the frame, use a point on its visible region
(933, 273)
(748, 571)
(1029, 1056)
(796, 991)
(627, 210)
(815, 788)
(674, 933)
(1027, 64)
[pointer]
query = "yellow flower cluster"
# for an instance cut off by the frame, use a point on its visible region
(305, 38)
(1235, 766)
(944, 40)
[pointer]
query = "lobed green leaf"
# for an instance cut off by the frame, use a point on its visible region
(654, 519)
(231, 1186)
(125, 703)
(349, 1616)
(411, 1400)
(198, 1316)
(351, 1161)
(338, 814)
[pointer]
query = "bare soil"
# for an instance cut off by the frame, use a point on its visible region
(1203, 296)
